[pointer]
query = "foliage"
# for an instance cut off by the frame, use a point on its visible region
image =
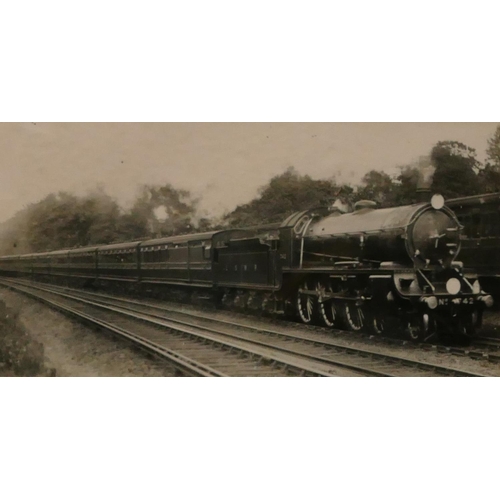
(20, 354)
(489, 177)
(457, 172)
(65, 221)
(163, 211)
(456, 169)
(13, 235)
(286, 193)
(493, 151)
(379, 187)
(407, 182)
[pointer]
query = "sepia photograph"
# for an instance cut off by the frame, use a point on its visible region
(250, 249)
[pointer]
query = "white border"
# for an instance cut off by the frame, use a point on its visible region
(250, 61)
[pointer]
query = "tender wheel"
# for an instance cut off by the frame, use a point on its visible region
(306, 303)
(228, 299)
(268, 304)
(418, 327)
(327, 310)
(254, 302)
(354, 316)
(241, 299)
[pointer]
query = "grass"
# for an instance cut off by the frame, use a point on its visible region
(20, 354)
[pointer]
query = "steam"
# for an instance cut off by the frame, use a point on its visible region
(426, 172)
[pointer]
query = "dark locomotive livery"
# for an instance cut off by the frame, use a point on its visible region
(371, 264)
(352, 270)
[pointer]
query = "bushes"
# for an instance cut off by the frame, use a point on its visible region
(20, 354)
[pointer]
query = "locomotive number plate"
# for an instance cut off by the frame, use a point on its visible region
(456, 300)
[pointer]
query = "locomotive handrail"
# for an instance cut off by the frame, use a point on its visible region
(432, 287)
(306, 227)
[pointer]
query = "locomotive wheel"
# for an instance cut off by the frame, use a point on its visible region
(377, 323)
(327, 310)
(354, 316)
(306, 303)
(467, 324)
(328, 314)
(419, 327)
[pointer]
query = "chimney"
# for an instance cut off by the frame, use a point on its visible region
(425, 177)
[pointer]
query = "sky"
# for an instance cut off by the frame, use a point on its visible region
(223, 163)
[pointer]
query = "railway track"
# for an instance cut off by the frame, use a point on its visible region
(189, 350)
(491, 343)
(481, 348)
(491, 355)
(268, 352)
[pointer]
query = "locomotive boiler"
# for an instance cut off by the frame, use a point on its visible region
(413, 235)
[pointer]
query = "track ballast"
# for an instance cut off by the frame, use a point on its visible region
(200, 345)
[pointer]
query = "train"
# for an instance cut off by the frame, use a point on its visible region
(362, 270)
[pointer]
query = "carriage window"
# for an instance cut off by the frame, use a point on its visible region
(118, 257)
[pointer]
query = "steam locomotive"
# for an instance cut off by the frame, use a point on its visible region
(359, 269)
(356, 270)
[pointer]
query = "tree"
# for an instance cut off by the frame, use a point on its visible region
(406, 188)
(55, 222)
(489, 179)
(102, 215)
(284, 194)
(13, 240)
(493, 150)
(456, 169)
(489, 176)
(379, 187)
(162, 211)
(64, 220)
